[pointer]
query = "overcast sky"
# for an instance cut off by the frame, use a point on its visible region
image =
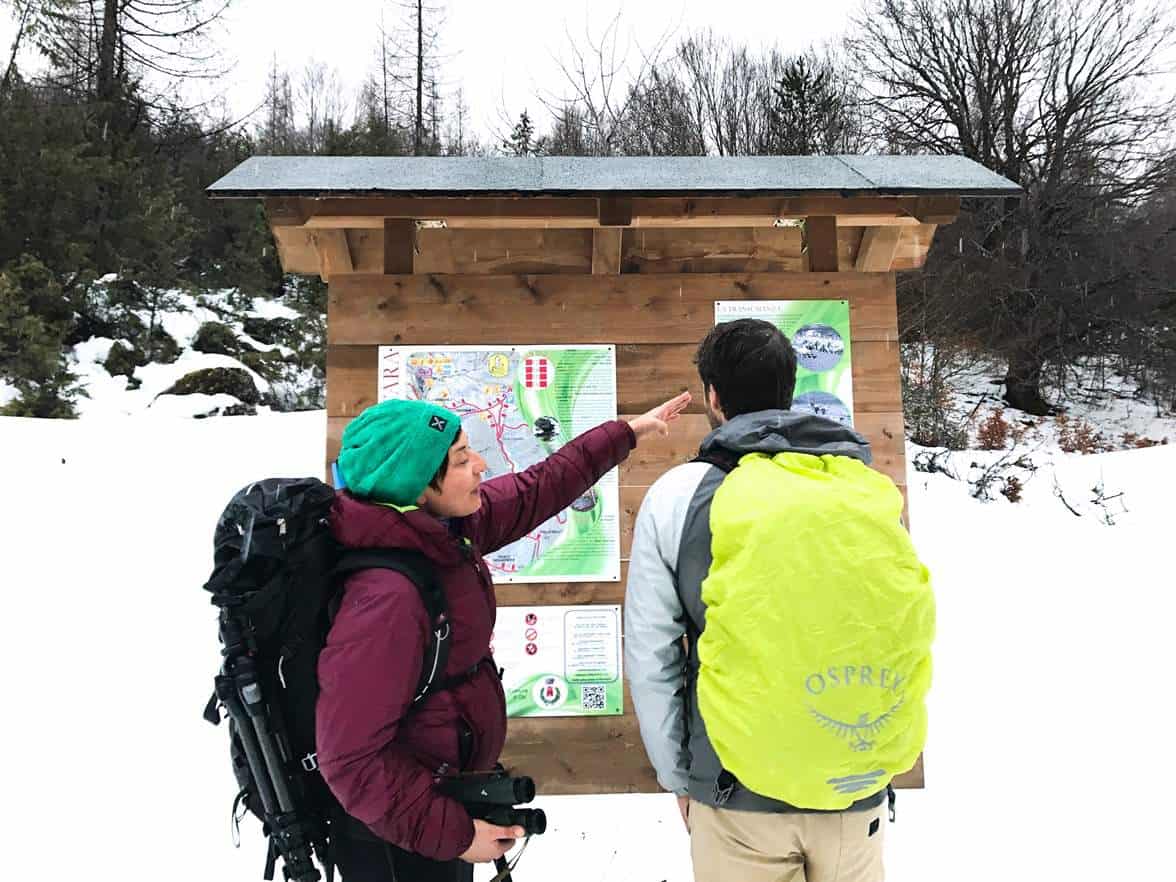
(502, 52)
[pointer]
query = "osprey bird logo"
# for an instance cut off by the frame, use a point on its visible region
(857, 732)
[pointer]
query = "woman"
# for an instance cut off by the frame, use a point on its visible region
(414, 482)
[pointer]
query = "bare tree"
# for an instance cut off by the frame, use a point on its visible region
(385, 102)
(600, 82)
(730, 93)
(458, 136)
(276, 132)
(659, 121)
(25, 15)
(568, 136)
(1053, 95)
(415, 44)
(387, 77)
(708, 96)
(321, 102)
(105, 44)
(311, 87)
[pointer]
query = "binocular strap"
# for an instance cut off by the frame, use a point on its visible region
(505, 868)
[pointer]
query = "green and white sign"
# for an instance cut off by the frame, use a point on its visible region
(819, 331)
(518, 405)
(560, 661)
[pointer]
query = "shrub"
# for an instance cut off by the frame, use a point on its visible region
(216, 339)
(994, 431)
(122, 359)
(1078, 436)
(1012, 488)
(211, 381)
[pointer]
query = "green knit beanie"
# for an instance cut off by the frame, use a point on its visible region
(393, 449)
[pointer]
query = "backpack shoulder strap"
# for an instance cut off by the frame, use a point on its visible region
(415, 567)
(720, 458)
(411, 564)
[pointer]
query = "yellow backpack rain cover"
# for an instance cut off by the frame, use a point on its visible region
(816, 656)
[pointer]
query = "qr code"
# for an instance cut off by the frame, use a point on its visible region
(592, 698)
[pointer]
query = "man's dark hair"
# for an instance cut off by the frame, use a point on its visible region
(750, 364)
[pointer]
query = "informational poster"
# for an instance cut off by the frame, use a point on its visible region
(518, 405)
(819, 331)
(560, 661)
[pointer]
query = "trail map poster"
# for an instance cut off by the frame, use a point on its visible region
(819, 331)
(560, 661)
(518, 405)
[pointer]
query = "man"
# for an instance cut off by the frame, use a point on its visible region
(782, 716)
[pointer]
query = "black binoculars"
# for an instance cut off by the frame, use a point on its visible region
(492, 797)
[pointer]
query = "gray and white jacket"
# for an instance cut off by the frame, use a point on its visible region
(670, 558)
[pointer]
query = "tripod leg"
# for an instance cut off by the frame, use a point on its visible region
(244, 726)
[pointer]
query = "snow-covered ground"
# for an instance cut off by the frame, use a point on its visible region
(1047, 752)
(1117, 411)
(7, 392)
(107, 395)
(1049, 710)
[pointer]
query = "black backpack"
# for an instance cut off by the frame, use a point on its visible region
(276, 579)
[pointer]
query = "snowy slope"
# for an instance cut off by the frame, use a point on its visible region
(107, 395)
(1046, 757)
(1118, 411)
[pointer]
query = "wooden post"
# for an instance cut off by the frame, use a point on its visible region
(877, 250)
(606, 251)
(333, 252)
(937, 209)
(399, 245)
(614, 211)
(820, 243)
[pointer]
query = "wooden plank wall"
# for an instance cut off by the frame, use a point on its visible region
(555, 250)
(537, 286)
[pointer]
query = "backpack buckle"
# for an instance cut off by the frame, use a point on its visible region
(310, 762)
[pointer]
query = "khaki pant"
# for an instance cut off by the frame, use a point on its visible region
(731, 846)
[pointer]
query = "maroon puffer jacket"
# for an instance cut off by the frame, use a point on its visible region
(378, 752)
